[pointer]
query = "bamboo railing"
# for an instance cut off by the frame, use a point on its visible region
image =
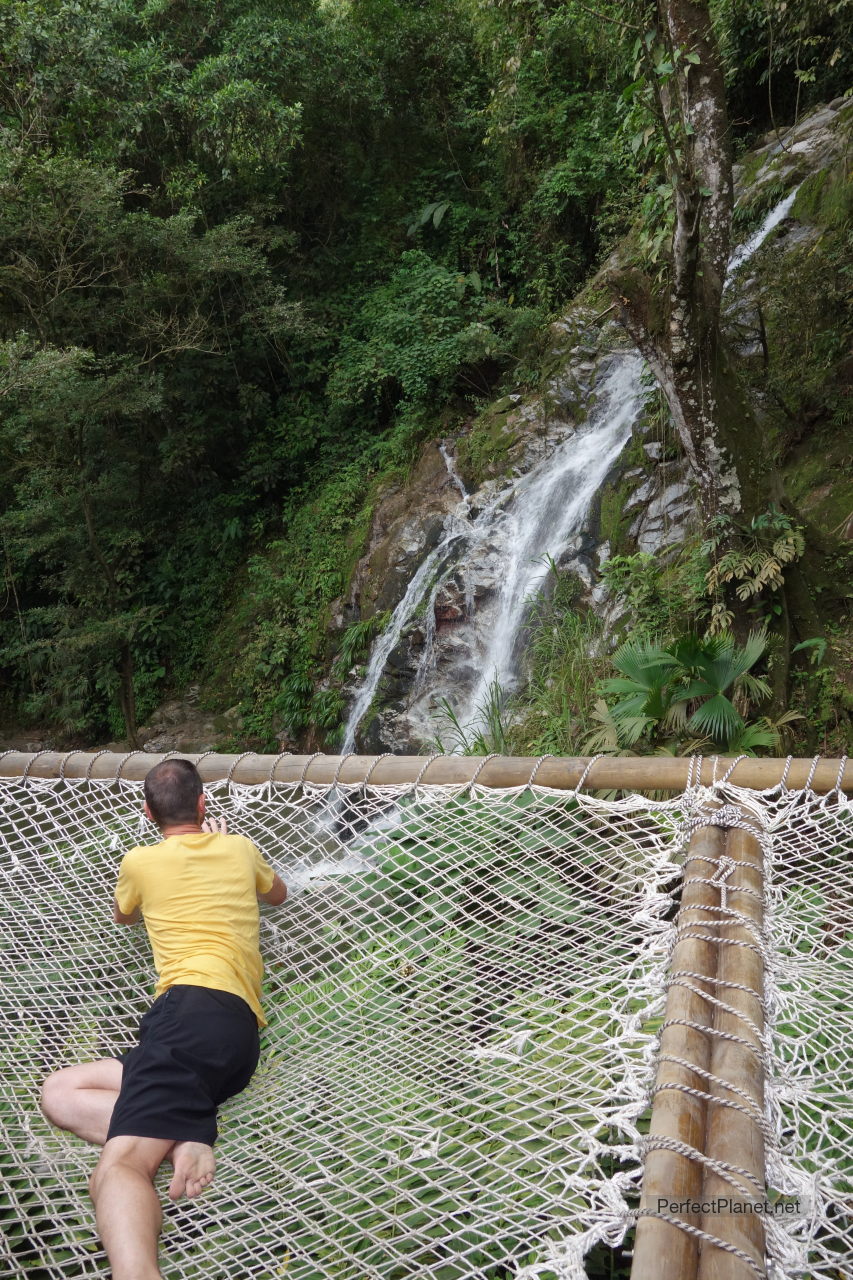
(709, 1089)
(629, 773)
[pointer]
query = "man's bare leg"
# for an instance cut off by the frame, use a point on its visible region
(194, 1164)
(127, 1207)
(81, 1098)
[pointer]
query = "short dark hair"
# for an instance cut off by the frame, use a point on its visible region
(172, 789)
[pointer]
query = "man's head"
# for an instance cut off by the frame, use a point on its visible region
(174, 793)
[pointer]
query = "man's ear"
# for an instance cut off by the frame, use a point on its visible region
(149, 815)
(202, 805)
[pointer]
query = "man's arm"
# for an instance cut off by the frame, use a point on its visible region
(276, 894)
(121, 918)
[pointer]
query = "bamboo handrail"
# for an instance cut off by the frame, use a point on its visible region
(733, 1137)
(723, 955)
(662, 1249)
(629, 773)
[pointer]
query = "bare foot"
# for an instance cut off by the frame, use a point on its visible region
(194, 1165)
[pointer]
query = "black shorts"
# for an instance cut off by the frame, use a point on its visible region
(196, 1048)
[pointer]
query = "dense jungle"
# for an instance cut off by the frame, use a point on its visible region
(272, 274)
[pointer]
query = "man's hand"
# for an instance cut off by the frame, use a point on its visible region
(215, 826)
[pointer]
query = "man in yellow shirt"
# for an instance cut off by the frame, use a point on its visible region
(198, 892)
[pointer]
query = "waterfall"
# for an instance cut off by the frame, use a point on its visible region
(756, 240)
(549, 506)
(514, 532)
(450, 463)
(386, 643)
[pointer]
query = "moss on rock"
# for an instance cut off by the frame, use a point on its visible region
(614, 520)
(826, 198)
(484, 452)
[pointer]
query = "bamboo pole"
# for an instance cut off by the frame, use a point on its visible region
(629, 773)
(663, 1251)
(732, 1136)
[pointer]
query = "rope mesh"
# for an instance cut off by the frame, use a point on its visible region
(809, 894)
(463, 991)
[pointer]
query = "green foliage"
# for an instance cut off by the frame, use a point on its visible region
(780, 57)
(486, 734)
(808, 329)
(658, 598)
(825, 198)
(554, 156)
(755, 560)
(357, 639)
(682, 688)
(293, 583)
(614, 518)
(412, 337)
(483, 452)
(815, 647)
(568, 659)
(821, 693)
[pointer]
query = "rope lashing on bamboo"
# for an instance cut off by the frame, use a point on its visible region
(467, 1000)
(718, 1243)
(730, 1171)
(283, 755)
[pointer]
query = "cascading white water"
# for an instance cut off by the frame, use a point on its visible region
(515, 532)
(385, 644)
(450, 463)
(519, 528)
(550, 504)
(756, 240)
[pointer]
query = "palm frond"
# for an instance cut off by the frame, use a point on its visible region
(629, 707)
(676, 715)
(760, 733)
(605, 739)
(717, 717)
(756, 688)
(644, 662)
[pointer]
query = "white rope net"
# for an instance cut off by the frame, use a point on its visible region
(464, 992)
(809, 974)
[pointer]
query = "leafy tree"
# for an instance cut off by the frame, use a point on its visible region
(102, 437)
(75, 451)
(783, 58)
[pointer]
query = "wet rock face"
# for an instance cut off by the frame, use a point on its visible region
(440, 655)
(470, 621)
(407, 525)
(786, 157)
(663, 520)
(450, 606)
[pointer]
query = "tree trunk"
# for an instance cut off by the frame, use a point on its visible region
(127, 696)
(677, 326)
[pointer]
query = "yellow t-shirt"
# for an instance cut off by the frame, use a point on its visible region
(198, 895)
